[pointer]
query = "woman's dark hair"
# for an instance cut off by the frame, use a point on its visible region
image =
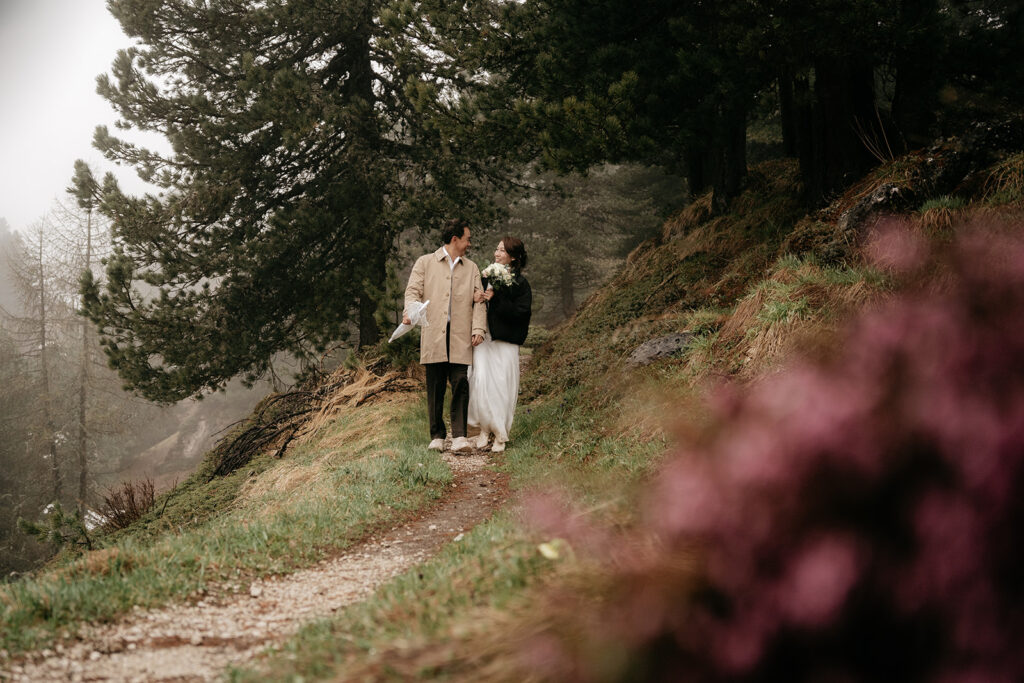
(453, 227)
(514, 248)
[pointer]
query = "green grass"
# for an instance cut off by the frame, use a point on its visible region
(945, 201)
(583, 429)
(415, 625)
(709, 266)
(487, 569)
(276, 532)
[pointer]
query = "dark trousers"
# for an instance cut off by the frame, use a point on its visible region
(439, 376)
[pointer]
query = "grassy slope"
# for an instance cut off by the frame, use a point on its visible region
(752, 286)
(587, 425)
(365, 469)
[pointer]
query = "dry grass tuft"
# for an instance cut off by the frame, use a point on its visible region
(1005, 181)
(856, 295)
(336, 438)
(101, 562)
(362, 385)
(939, 219)
(744, 316)
(361, 432)
(696, 213)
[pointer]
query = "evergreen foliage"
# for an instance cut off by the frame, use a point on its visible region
(306, 135)
(676, 83)
(577, 229)
(59, 528)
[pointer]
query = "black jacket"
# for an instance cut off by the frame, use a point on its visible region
(508, 311)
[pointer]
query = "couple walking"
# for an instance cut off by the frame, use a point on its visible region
(471, 337)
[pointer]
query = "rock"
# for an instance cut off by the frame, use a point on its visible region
(662, 347)
(255, 590)
(886, 198)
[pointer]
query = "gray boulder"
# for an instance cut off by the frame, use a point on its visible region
(662, 347)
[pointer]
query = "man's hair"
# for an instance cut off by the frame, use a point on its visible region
(514, 248)
(452, 228)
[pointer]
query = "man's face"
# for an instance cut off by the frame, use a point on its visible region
(460, 245)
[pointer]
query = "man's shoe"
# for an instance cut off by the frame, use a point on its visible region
(498, 447)
(436, 445)
(461, 443)
(481, 441)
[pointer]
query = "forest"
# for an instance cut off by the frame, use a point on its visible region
(726, 173)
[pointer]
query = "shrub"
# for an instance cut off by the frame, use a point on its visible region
(124, 505)
(857, 521)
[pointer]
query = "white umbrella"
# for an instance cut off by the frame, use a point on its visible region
(417, 314)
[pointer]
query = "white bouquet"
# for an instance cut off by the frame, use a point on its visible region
(498, 275)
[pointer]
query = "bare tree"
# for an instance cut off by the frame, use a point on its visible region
(85, 191)
(35, 333)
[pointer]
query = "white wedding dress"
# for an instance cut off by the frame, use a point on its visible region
(493, 387)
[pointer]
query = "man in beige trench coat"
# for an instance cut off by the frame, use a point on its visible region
(454, 325)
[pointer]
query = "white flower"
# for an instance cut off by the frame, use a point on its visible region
(498, 275)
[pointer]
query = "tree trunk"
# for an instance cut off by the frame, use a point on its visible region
(83, 448)
(730, 156)
(788, 113)
(695, 157)
(567, 289)
(803, 116)
(375, 281)
(374, 276)
(915, 99)
(844, 99)
(44, 372)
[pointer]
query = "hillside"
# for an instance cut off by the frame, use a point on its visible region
(335, 470)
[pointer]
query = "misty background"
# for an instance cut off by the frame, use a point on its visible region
(69, 432)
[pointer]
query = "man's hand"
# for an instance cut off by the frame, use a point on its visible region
(478, 297)
(405, 320)
(477, 339)
(489, 294)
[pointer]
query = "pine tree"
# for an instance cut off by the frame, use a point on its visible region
(306, 135)
(674, 84)
(84, 251)
(661, 83)
(21, 468)
(577, 229)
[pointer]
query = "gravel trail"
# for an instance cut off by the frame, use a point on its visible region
(196, 642)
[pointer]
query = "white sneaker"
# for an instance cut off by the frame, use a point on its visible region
(498, 447)
(461, 443)
(436, 445)
(481, 441)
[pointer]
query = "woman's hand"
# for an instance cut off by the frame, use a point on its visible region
(478, 297)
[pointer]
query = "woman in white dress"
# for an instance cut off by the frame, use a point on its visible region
(494, 375)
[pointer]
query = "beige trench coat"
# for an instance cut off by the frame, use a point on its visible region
(433, 280)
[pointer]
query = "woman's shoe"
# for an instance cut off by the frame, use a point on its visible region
(481, 441)
(498, 447)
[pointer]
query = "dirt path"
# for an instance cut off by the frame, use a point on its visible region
(196, 642)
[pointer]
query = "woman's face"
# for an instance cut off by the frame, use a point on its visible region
(501, 256)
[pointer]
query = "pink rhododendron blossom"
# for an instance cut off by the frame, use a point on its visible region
(855, 521)
(818, 581)
(893, 245)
